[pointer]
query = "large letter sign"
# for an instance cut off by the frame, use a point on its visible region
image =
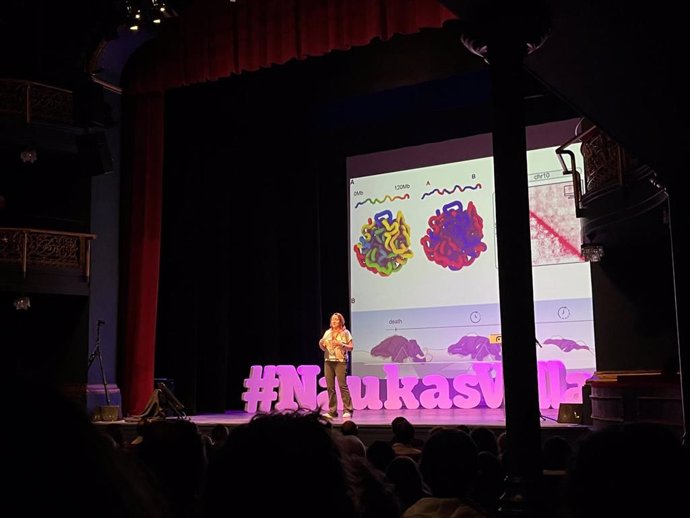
(296, 387)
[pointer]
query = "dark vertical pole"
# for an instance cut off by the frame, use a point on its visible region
(502, 32)
(679, 258)
(505, 56)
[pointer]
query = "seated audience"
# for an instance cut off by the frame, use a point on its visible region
(280, 464)
(449, 467)
(635, 469)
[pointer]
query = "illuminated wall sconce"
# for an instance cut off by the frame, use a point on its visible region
(592, 252)
(22, 303)
(28, 156)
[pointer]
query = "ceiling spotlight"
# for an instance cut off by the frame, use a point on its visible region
(134, 16)
(158, 8)
(147, 14)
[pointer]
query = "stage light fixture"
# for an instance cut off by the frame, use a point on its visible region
(134, 16)
(142, 14)
(158, 10)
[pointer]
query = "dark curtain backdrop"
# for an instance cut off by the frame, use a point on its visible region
(240, 256)
(214, 39)
(255, 240)
(254, 255)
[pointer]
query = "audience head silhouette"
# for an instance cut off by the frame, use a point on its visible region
(635, 469)
(274, 459)
(485, 439)
(352, 445)
(349, 428)
(449, 463)
(174, 452)
(403, 430)
(69, 469)
(380, 454)
(556, 453)
(405, 475)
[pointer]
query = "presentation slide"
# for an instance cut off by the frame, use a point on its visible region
(424, 264)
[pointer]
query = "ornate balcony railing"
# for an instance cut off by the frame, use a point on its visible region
(46, 249)
(36, 102)
(613, 187)
(602, 164)
(607, 167)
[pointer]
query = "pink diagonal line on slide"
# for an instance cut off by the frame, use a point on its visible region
(553, 232)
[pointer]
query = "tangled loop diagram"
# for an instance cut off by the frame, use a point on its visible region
(384, 246)
(454, 237)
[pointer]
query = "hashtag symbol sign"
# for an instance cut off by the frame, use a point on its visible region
(260, 388)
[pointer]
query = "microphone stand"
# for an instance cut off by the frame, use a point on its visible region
(97, 353)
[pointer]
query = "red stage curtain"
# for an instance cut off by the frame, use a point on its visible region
(144, 139)
(211, 40)
(218, 38)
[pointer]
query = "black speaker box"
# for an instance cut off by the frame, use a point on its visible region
(570, 413)
(94, 154)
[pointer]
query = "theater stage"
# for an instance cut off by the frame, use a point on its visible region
(375, 424)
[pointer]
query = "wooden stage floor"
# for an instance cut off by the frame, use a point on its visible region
(375, 424)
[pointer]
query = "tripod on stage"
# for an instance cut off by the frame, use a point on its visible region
(547, 418)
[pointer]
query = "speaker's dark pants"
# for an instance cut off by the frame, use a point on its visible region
(333, 370)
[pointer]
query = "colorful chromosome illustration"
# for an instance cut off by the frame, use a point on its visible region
(384, 246)
(387, 197)
(454, 237)
(459, 188)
